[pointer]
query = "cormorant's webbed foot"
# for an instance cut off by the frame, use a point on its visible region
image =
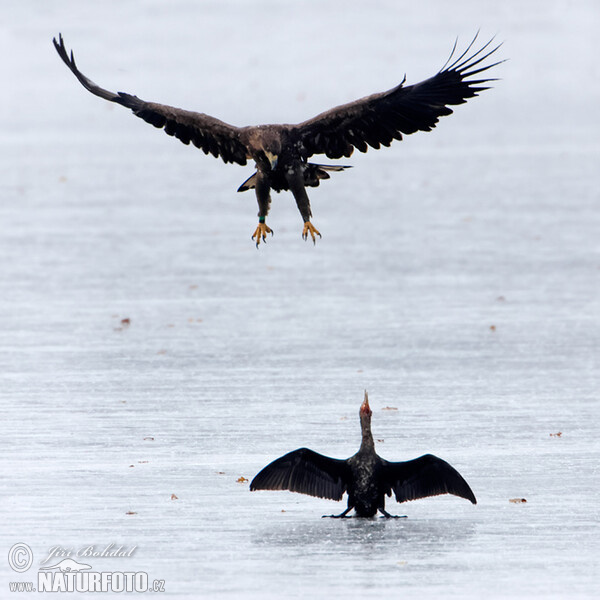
(310, 228)
(261, 232)
(340, 516)
(387, 515)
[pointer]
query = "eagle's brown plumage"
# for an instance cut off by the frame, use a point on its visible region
(281, 152)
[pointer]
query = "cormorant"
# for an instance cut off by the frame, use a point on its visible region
(365, 477)
(281, 152)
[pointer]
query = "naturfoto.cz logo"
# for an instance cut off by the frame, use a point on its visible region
(70, 575)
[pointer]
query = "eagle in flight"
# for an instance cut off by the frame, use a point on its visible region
(281, 152)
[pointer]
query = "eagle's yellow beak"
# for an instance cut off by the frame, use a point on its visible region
(272, 158)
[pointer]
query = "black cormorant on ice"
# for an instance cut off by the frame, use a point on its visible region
(365, 477)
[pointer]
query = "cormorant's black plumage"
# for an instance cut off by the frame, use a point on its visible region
(281, 152)
(365, 477)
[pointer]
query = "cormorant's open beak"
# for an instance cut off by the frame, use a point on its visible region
(364, 407)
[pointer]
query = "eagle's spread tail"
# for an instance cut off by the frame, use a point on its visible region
(248, 184)
(312, 176)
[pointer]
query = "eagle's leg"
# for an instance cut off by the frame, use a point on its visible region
(295, 179)
(310, 228)
(263, 197)
(261, 231)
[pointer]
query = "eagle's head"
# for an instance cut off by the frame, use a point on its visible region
(272, 157)
(267, 145)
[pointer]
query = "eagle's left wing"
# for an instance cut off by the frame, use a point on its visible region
(381, 118)
(205, 132)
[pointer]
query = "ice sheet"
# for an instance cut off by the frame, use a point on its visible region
(457, 281)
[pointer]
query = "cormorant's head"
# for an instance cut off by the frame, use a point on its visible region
(365, 409)
(365, 425)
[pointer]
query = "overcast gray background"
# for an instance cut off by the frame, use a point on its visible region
(456, 280)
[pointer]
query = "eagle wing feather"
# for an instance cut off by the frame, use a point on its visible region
(207, 133)
(381, 118)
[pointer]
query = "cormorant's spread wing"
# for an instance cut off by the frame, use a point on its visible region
(425, 476)
(381, 118)
(205, 132)
(306, 472)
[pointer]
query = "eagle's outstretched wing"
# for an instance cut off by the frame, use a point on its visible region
(205, 132)
(423, 477)
(381, 118)
(306, 472)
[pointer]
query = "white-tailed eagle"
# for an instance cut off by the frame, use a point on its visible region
(281, 152)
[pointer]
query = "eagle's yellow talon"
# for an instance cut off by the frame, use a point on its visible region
(310, 228)
(261, 232)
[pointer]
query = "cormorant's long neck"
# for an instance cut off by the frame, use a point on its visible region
(367, 444)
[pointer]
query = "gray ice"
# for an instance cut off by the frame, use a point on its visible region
(457, 280)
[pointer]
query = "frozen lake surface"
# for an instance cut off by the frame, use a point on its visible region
(457, 280)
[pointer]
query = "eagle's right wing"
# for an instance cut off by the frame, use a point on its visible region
(379, 119)
(207, 133)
